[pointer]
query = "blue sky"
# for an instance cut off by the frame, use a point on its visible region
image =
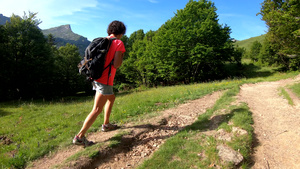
(90, 18)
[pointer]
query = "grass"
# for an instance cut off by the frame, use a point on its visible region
(93, 151)
(37, 127)
(192, 149)
(296, 89)
(285, 94)
(248, 42)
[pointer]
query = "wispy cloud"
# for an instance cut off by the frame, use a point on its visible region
(48, 10)
(230, 15)
(153, 1)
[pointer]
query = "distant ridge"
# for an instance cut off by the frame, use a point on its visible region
(63, 34)
(3, 19)
(63, 31)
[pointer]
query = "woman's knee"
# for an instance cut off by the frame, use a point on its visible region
(96, 111)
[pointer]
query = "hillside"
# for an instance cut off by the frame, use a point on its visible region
(64, 34)
(247, 42)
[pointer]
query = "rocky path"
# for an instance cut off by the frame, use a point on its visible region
(145, 137)
(276, 125)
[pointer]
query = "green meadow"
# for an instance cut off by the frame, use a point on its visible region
(33, 128)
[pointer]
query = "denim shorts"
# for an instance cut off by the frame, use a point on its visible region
(102, 88)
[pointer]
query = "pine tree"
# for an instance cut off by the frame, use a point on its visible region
(283, 20)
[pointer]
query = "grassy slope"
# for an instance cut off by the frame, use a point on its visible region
(38, 127)
(248, 42)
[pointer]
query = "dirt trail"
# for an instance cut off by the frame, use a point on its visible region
(276, 125)
(145, 137)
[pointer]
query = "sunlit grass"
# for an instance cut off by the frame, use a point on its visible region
(37, 127)
(285, 94)
(296, 89)
(191, 148)
(248, 42)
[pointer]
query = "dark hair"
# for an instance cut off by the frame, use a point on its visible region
(116, 27)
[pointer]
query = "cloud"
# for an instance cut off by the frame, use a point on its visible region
(48, 11)
(153, 1)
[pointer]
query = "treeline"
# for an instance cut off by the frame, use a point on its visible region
(190, 47)
(32, 66)
(281, 46)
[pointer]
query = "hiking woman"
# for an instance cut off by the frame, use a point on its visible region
(104, 85)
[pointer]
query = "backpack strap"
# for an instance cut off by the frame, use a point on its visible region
(112, 61)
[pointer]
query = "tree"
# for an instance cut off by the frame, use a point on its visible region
(129, 67)
(255, 50)
(192, 46)
(67, 78)
(6, 64)
(238, 54)
(125, 40)
(28, 56)
(266, 54)
(137, 35)
(282, 18)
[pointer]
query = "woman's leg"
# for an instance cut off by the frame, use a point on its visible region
(99, 102)
(108, 107)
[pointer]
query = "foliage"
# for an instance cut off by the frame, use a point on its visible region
(6, 62)
(66, 71)
(265, 56)
(190, 47)
(255, 50)
(261, 53)
(238, 55)
(33, 66)
(282, 19)
(247, 42)
(139, 66)
(26, 57)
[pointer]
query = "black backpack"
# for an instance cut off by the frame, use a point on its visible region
(92, 64)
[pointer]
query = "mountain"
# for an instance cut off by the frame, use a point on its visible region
(64, 34)
(3, 19)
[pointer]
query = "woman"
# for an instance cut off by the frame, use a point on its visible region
(104, 85)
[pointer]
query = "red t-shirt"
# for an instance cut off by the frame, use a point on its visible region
(116, 45)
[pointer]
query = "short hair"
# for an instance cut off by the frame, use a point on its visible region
(116, 27)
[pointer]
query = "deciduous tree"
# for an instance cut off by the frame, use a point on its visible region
(192, 46)
(29, 60)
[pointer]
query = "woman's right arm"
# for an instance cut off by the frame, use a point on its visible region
(118, 59)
